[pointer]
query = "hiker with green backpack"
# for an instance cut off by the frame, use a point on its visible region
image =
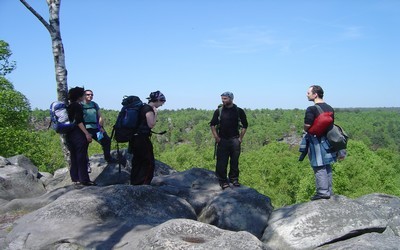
(94, 124)
(228, 126)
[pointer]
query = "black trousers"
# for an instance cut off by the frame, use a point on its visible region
(228, 150)
(143, 163)
(78, 148)
(105, 142)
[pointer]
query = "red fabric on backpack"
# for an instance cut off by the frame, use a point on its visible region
(321, 124)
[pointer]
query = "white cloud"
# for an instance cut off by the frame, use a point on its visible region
(247, 40)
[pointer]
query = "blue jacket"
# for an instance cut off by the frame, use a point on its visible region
(317, 149)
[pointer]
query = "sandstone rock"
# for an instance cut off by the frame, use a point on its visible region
(316, 223)
(187, 234)
(238, 209)
(386, 207)
(369, 241)
(17, 182)
(89, 215)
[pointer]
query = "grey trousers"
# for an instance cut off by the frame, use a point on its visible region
(323, 180)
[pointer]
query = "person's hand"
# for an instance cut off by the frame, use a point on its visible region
(89, 138)
(217, 139)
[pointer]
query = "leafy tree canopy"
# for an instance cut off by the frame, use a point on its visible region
(6, 66)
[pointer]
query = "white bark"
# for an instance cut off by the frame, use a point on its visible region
(53, 26)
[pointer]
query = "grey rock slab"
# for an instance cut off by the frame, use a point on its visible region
(182, 234)
(312, 224)
(97, 217)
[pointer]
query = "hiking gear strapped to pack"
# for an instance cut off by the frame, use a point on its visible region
(321, 123)
(336, 136)
(128, 119)
(59, 118)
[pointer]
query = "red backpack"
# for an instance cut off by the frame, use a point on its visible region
(321, 123)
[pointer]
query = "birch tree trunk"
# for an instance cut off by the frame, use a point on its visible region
(53, 26)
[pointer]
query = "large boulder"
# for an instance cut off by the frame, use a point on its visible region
(235, 209)
(313, 224)
(198, 186)
(26, 163)
(368, 241)
(18, 182)
(182, 234)
(384, 206)
(238, 209)
(89, 215)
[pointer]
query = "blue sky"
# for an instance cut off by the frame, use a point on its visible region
(266, 52)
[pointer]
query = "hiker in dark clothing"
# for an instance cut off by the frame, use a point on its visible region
(225, 126)
(78, 139)
(143, 162)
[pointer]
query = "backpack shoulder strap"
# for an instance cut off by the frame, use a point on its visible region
(320, 111)
(220, 107)
(96, 106)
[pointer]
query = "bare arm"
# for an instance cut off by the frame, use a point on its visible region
(215, 134)
(151, 118)
(101, 120)
(306, 127)
(242, 133)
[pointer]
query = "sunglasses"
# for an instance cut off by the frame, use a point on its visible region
(89, 94)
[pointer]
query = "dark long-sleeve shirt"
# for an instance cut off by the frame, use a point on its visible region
(228, 121)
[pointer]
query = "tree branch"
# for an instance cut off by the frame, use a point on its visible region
(38, 16)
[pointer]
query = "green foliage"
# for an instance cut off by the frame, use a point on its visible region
(364, 172)
(5, 53)
(41, 148)
(14, 106)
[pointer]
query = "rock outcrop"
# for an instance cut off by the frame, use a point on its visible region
(179, 210)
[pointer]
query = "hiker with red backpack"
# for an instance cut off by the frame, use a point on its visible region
(315, 142)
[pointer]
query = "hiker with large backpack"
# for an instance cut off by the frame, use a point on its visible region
(143, 162)
(94, 124)
(78, 139)
(228, 126)
(315, 142)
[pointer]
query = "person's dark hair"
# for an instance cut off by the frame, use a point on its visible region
(88, 90)
(75, 93)
(156, 96)
(316, 89)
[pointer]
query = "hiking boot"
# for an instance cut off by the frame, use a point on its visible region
(224, 185)
(318, 197)
(236, 183)
(89, 183)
